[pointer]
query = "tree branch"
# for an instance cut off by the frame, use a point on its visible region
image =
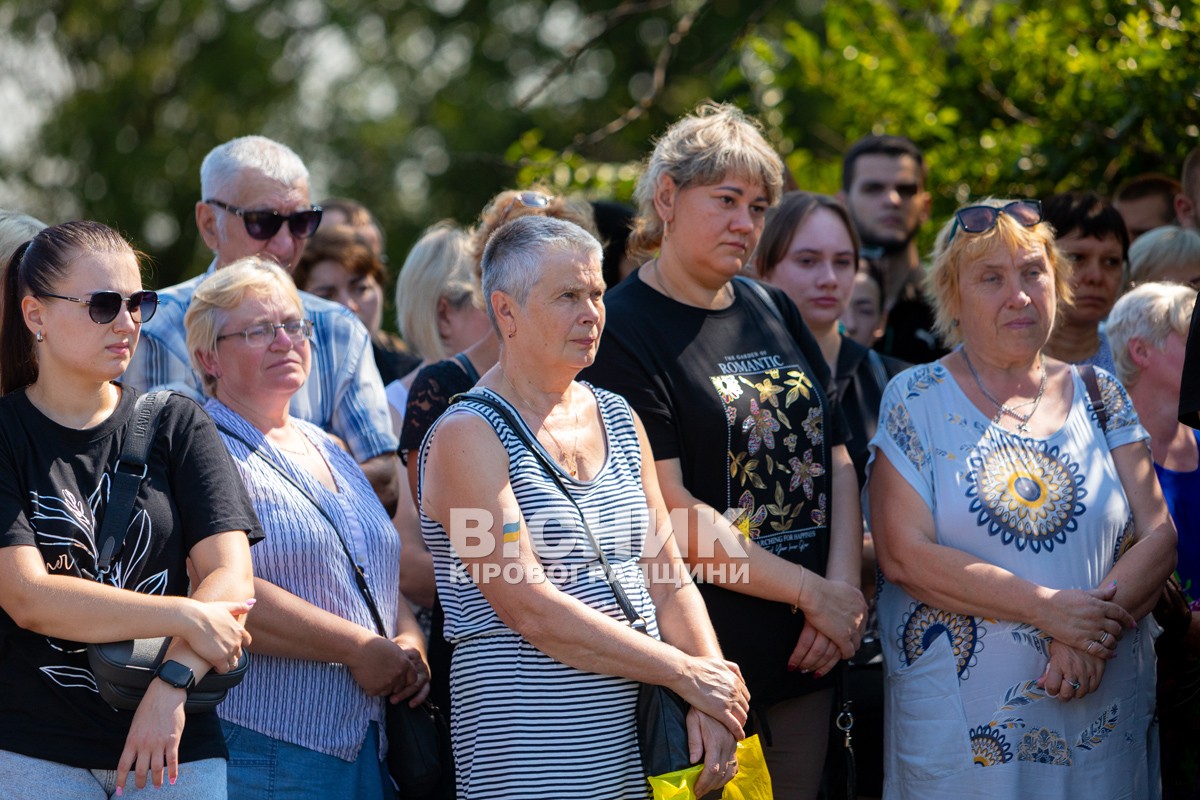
(614, 18)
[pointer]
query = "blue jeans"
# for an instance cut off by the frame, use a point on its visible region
(262, 768)
(26, 778)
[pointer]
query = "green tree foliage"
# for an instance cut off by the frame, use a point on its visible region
(423, 110)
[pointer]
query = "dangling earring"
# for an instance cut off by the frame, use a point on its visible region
(41, 337)
(512, 333)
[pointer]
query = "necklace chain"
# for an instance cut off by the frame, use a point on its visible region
(303, 451)
(662, 284)
(1003, 408)
(570, 461)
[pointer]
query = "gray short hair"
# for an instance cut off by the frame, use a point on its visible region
(1150, 312)
(224, 162)
(514, 254)
(1161, 251)
(222, 292)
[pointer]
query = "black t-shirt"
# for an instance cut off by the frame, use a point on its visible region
(909, 334)
(429, 397)
(54, 484)
(1189, 390)
(738, 396)
(862, 375)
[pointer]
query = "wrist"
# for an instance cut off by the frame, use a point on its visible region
(803, 591)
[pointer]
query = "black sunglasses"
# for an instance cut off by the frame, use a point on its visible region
(262, 225)
(103, 307)
(978, 219)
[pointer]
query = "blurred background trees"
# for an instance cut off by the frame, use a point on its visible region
(423, 109)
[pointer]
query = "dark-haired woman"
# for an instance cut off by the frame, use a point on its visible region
(73, 309)
(1092, 235)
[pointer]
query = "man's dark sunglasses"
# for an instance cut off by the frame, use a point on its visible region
(103, 307)
(978, 219)
(262, 225)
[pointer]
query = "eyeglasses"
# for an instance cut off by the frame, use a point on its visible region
(978, 219)
(103, 307)
(527, 199)
(297, 330)
(262, 225)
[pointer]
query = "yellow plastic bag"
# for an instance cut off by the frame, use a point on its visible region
(752, 782)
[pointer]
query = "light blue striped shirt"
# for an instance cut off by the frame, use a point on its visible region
(309, 703)
(343, 394)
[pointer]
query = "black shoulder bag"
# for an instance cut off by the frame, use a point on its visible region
(124, 670)
(420, 755)
(661, 713)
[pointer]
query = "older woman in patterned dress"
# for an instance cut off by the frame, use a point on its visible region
(1022, 537)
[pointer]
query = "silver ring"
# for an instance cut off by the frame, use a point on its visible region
(1074, 685)
(1089, 647)
(1104, 637)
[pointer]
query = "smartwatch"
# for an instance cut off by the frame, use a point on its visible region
(176, 675)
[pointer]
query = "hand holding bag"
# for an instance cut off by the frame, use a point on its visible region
(420, 755)
(124, 670)
(661, 713)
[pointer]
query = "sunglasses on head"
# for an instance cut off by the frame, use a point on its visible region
(103, 307)
(979, 219)
(262, 225)
(527, 199)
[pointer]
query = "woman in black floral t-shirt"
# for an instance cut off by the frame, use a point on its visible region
(731, 387)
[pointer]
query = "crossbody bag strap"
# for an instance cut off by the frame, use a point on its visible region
(127, 476)
(360, 576)
(1088, 373)
(635, 619)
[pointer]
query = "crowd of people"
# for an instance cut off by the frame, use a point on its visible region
(746, 444)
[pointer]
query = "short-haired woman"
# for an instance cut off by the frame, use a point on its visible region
(1022, 540)
(748, 446)
(1091, 234)
(73, 311)
(546, 665)
(307, 720)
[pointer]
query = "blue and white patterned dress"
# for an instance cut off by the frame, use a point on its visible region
(965, 716)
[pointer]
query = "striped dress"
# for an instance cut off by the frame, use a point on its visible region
(523, 724)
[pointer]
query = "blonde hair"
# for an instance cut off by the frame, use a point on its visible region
(222, 292)
(1163, 250)
(700, 149)
(1150, 312)
(952, 252)
(438, 267)
(507, 206)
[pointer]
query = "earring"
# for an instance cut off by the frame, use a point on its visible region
(41, 337)
(953, 323)
(512, 333)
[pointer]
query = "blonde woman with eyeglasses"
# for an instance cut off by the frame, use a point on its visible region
(307, 720)
(1022, 539)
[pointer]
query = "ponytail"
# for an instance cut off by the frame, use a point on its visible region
(18, 367)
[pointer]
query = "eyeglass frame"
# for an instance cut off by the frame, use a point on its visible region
(277, 219)
(126, 301)
(528, 198)
(997, 211)
(304, 335)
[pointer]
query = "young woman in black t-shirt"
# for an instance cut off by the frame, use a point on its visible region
(731, 388)
(73, 308)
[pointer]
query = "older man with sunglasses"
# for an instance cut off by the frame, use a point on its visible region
(255, 201)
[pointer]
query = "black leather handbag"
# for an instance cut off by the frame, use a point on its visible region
(661, 713)
(124, 670)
